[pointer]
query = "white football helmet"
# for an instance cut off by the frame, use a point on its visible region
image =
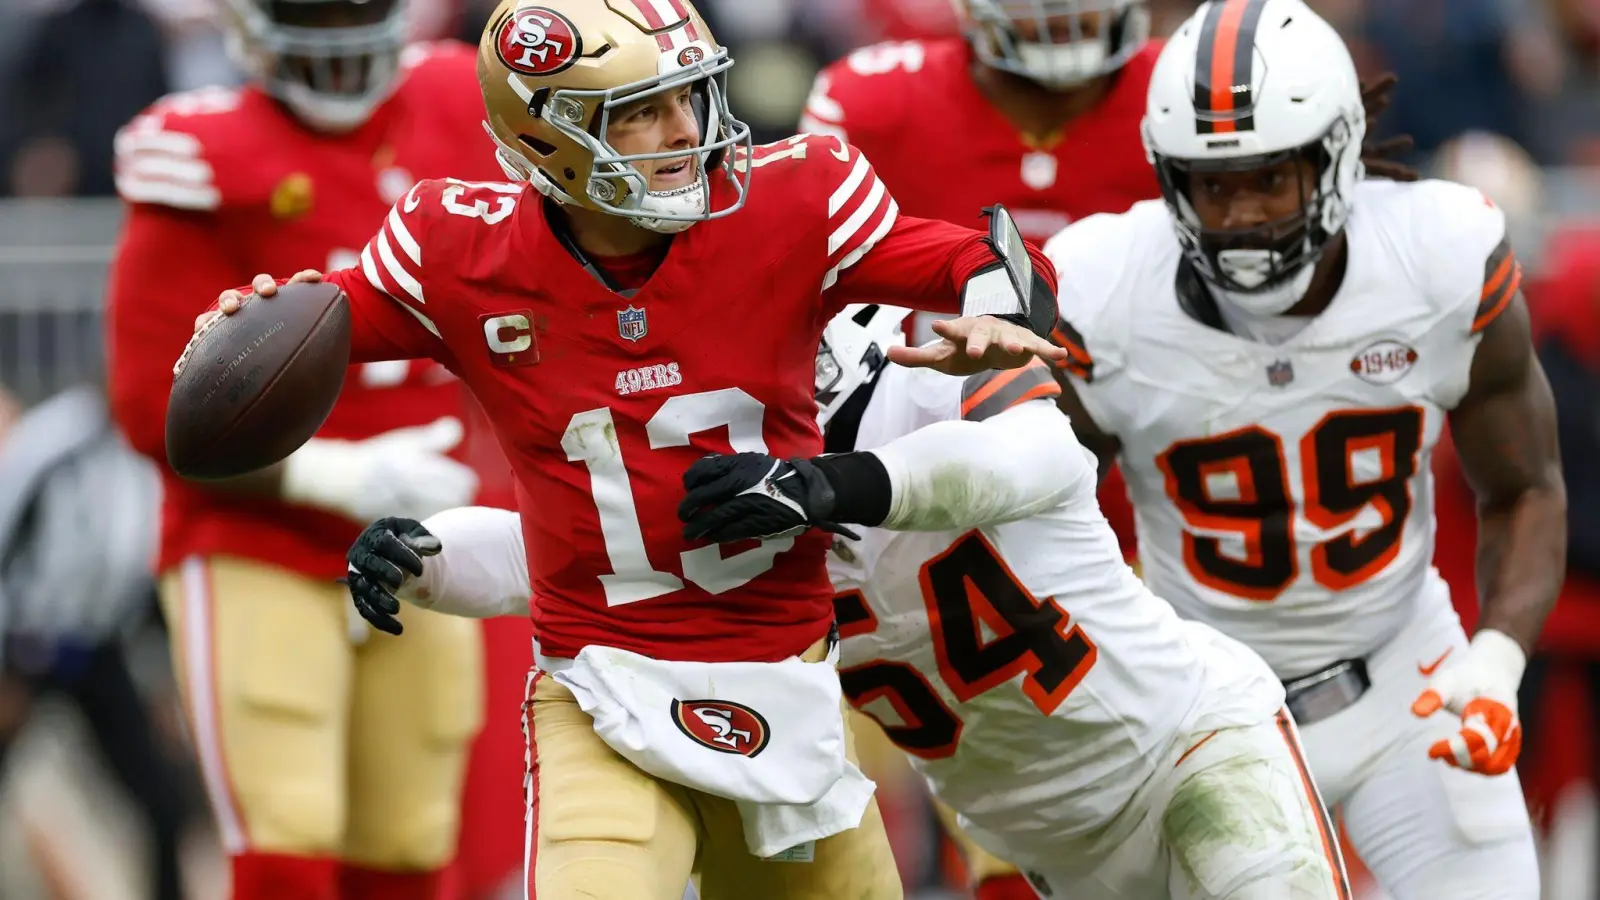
(853, 351)
(1248, 84)
(331, 62)
(1070, 48)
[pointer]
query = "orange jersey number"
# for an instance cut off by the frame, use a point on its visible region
(1260, 508)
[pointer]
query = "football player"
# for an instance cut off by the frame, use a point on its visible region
(1272, 352)
(333, 764)
(624, 305)
(1078, 725)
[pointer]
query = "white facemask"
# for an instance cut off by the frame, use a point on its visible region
(1063, 65)
(1253, 267)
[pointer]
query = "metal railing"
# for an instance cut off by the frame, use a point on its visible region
(54, 257)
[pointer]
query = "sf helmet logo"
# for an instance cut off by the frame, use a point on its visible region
(722, 726)
(538, 41)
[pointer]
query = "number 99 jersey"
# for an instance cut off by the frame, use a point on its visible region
(1282, 491)
(1032, 678)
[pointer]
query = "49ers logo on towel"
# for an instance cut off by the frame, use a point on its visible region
(538, 41)
(722, 726)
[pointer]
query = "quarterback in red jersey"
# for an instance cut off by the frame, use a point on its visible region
(333, 763)
(627, 304)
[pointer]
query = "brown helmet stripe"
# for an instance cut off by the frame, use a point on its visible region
(1222, 68)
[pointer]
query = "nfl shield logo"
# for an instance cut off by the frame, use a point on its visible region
(632, 324)
(1280, 373)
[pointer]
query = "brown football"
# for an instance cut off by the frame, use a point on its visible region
(259, 383)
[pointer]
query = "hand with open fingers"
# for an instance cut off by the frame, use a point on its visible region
(1481, 688)
(388, 552)
(974, 344)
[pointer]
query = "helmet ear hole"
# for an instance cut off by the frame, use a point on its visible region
(542, 148)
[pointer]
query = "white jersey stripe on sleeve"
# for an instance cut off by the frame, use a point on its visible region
(370, 269)
(876, 197)
(406, 281)
(842, 193)
(402, 236)
(152, 167)
(166, 193)
(884, 224)
(137, 139)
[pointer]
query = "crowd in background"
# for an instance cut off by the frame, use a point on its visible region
(1498, 93)
(71, 71)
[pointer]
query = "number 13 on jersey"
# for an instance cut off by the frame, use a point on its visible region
(591, 439)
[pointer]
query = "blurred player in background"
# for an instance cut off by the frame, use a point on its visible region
(333, 763)
(1273, 354)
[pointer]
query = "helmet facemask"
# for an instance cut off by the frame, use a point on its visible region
(614, 185)
(1069, 49)
(1266, 269)
(331, 62)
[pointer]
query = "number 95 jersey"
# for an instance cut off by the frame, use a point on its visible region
(1282, 491)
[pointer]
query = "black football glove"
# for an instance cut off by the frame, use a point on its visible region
(379, 560)
(753, 495)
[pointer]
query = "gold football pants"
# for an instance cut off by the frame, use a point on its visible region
(312, 743)
(602, 829)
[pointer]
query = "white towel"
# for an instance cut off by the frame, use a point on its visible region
(769, 736)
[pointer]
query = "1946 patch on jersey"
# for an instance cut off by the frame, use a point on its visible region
(1384, 362)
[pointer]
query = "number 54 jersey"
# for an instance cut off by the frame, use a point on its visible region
(1032, 678)
(1283, 492)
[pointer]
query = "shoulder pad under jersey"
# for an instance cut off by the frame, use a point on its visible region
(188, 150)
(441, 78)
(864, 95)
(1102, 263)
(1459, 247)
(831, 186)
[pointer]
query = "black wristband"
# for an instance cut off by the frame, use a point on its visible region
(860, 487)
(1013, 318)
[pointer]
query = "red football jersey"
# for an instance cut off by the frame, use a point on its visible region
(602, 402)
(947, 153)
(224, 184)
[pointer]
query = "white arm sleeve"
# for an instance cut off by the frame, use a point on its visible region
(958, 474)
(481, 570)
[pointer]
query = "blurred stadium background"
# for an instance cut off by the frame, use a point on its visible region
(94, 773)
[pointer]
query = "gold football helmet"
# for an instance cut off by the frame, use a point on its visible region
(331, 62)
(553, 72)
(1056, 43)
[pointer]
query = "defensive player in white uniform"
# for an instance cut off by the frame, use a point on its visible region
(1272, 353)
(1078, 725)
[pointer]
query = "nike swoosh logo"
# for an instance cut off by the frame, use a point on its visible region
(843, 153)
(412, 200)
(1428, 670)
